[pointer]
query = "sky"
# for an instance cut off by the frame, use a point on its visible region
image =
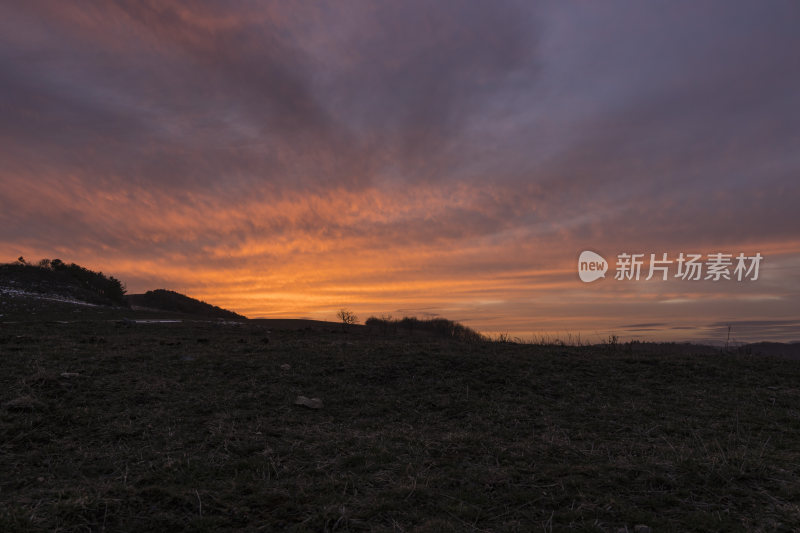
(415, 158)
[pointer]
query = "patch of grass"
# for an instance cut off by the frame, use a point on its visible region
(111, 427)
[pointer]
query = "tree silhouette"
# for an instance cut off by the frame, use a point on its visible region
(347, 317)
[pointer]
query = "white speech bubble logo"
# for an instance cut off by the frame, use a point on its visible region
(591, 266)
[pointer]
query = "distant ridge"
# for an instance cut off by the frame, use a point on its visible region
(166, 300)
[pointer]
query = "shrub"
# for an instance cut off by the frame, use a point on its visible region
(347, 317)
(440, 327)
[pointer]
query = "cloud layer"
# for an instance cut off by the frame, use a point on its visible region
(423, 157)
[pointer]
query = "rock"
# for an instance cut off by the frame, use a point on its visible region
(313, 403)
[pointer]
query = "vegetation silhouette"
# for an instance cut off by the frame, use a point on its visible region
(441, 327)
(347, 317)
(66, 279)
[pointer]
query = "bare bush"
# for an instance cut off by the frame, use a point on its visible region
(347, 317)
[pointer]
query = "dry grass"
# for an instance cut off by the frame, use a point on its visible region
(193, 426)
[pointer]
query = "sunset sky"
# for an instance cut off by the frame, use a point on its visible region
(287, 159)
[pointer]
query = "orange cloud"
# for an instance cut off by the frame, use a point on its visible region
(404, 158)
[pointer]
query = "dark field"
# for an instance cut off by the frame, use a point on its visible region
(192, 426)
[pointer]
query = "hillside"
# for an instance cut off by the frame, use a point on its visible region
(54, 290)
(166, 300)
(194, 426)
(59, 281)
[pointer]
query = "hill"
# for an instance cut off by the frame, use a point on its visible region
(789, 350)
(60, 281)
(166, 300)
(54, 290)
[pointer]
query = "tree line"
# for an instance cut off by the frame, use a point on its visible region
(105, 286)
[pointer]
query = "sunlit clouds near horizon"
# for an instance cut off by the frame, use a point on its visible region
(412, 158)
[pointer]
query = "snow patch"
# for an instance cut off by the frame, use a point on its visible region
(39, 296)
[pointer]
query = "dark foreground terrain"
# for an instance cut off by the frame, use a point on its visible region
(108, 425)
